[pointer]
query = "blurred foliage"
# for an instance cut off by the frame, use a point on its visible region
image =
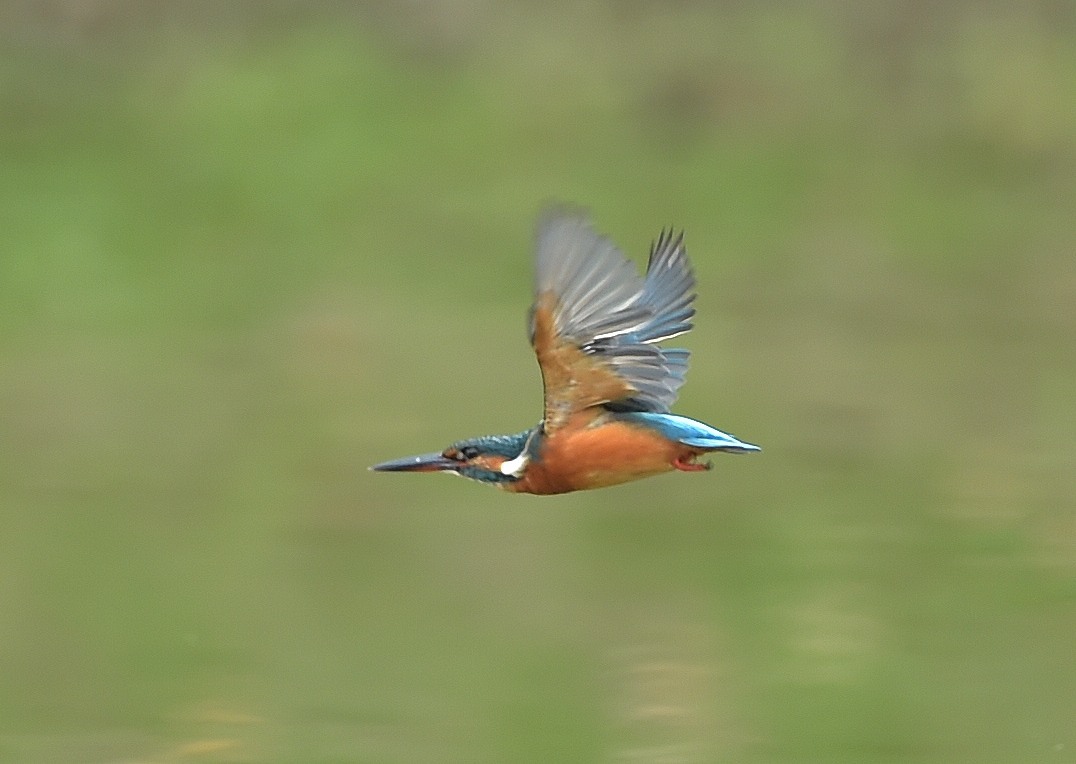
(247, 249)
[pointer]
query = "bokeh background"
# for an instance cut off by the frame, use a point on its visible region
(248, 249)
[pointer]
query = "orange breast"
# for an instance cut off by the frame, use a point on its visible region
(578, 457)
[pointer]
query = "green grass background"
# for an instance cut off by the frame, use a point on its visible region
(248, 249)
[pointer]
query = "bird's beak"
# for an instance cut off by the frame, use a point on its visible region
(421, 463)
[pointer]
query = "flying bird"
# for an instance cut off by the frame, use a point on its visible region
(595, 326)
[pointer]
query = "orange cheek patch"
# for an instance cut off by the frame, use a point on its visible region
(488, 462)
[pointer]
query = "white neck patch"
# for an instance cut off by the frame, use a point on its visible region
(515, 467)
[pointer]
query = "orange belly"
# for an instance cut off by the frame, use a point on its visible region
(578, 458)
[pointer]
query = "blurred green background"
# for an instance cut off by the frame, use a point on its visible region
(248, 249)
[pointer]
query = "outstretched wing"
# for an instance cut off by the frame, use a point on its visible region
(594, 321)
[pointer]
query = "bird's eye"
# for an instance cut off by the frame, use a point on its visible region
(469, 452)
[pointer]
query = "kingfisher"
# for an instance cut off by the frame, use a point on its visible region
(595, 326)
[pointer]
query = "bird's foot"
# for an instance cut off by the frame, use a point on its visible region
(688, 464)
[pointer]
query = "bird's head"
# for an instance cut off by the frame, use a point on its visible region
(496, 459)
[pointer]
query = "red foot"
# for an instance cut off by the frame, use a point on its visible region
(686, 464)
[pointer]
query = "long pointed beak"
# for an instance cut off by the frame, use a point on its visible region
(421, 463)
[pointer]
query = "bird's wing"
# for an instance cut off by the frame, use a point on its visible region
(594, 321)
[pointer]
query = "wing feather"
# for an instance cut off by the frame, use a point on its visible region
(594, 321)
(669, 289)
